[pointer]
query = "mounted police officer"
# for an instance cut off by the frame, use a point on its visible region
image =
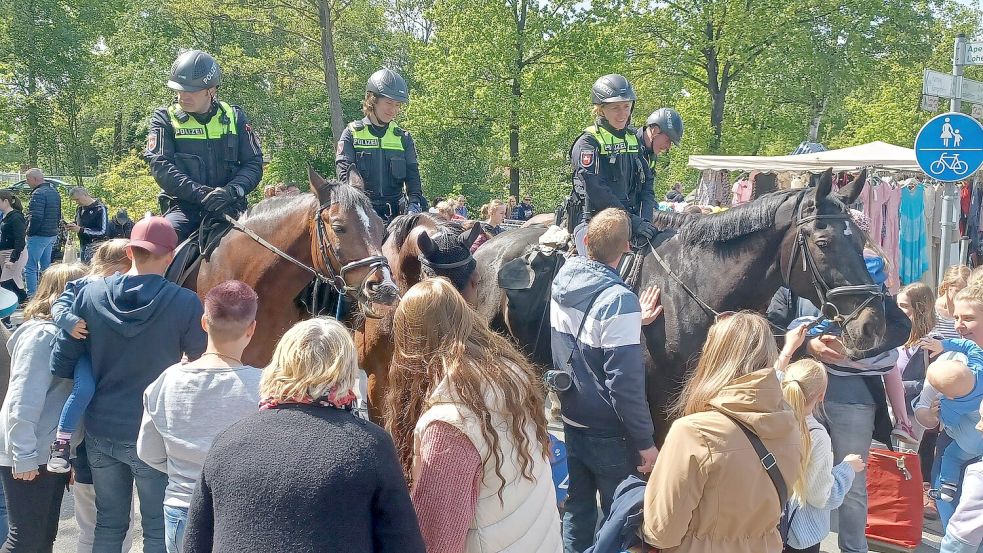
(202, 151)
(609, 169)
(383, 154)
(663, 129)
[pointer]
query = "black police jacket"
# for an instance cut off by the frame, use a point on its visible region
(622, 180)
(186, 170)
(386, 172)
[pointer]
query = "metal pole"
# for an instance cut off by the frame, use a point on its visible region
(948, 217)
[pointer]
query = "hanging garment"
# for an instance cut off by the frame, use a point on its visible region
(713, 188)
(964, 200)
(913, 238)
(882, 204)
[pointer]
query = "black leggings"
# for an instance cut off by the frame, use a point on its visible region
(813, 549)
(33, 507)
(926, 453)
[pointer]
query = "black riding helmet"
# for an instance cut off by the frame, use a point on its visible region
(669, 122)
(388, 84)
(612, 88)
(193, 71)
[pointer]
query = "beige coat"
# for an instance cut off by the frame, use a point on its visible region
(708, 492)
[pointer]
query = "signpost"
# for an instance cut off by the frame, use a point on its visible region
(942, 85)
(949, 147)
(974, 53)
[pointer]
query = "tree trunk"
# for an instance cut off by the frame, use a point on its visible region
(519, 11)
(817, 118)
(717, 120)
(326, 20)
(117, 136)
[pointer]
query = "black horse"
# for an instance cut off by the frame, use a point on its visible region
(803, 239)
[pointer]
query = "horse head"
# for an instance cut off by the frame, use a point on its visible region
(822, 260)
(347, 244)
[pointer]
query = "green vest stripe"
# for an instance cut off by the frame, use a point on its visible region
(365, 140)
(611, 144)
(193, 130)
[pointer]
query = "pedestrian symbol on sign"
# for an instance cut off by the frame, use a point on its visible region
(950, 147)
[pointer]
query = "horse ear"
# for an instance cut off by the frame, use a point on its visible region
(825, 185)
(355, 178)
(849, 193)
(468, 237)
(425, 245)
(318, 183)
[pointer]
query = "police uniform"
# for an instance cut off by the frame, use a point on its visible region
(385, 157)
(648, 155)
(610, 170)
(191, 154)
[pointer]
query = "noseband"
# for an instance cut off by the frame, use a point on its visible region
(826, 293)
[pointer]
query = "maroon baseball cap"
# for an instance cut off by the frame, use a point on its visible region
(154, 234)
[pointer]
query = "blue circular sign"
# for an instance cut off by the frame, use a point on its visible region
(950, 147)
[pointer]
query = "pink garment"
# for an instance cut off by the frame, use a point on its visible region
(882, 204)
(742, 191)
(446, 494)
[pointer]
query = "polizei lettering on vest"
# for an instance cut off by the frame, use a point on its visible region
(366, 141)
(192, 131)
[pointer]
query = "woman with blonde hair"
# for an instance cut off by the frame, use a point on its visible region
(28, 420)
(493, 215)
(709, 490)
(821, 486)
(466, 412)
(954, 279)
(304, 474)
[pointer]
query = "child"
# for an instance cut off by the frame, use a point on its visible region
(188, 405)
(108, 259)
(959, 388)
(964, 533)
(822, 487)
(954, 280)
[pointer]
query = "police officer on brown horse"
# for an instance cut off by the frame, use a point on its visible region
(202, 151)
(383, 154)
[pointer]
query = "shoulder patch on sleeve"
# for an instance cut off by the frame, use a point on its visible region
(154, 141)
(340, 148)
(586, 157)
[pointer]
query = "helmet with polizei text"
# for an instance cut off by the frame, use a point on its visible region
(612, 88)
(669, 122)
(388, 84)
(193, 71)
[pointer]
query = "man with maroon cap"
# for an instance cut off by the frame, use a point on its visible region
(139, 324)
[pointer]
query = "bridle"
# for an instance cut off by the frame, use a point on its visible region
(824, 291)
(328, 268)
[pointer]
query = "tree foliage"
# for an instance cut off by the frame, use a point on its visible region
(499, 89)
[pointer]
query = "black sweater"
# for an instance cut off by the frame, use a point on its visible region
(302, 479)
(13, 234)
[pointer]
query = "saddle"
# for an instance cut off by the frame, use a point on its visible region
(198, 246)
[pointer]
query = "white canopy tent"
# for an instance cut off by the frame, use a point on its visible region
(875, 154)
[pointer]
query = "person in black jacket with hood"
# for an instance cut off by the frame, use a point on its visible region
(202, 152)
(91, 222)
(42, 227)
(13, 240)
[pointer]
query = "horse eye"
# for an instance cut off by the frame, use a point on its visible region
(822, 242)
(338, 229)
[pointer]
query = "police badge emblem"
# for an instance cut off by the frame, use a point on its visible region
(152, 141)
(586, 158)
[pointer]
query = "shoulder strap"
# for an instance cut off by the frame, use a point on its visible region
(768, 460)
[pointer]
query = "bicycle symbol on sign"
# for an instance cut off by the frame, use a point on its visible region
(951, 162)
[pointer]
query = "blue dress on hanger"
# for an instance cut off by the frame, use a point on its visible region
(914, 251)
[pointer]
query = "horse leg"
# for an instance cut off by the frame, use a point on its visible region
(375, 351)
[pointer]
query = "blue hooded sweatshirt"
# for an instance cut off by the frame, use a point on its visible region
(138, 326)
(608, 395)
(952, 410)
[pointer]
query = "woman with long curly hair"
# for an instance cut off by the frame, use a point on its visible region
(465, 410)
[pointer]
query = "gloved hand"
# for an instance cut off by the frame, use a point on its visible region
(414, 207)
(644, 229)
(219, 199)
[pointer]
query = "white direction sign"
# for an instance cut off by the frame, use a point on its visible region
(974, 53)
(940, 84)
(930, 103)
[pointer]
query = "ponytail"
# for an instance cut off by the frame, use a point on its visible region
(14, 200)
(802, 384)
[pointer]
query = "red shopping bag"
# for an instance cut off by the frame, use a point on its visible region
(894, 498)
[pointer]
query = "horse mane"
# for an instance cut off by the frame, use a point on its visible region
(732, 224)
(401, 226)
(278, 207)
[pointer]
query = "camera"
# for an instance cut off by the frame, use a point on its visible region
(558, 381)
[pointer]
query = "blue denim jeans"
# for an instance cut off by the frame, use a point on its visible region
(175, 519)
(596, 464)
(83, 388)
(115, 467)
(851, 430)
(38, 260)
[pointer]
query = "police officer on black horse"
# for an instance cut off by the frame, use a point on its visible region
(609, 167)
(202, 151)
(382, 153)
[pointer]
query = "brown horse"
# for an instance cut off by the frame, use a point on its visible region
(415, 250)
(331, 237)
